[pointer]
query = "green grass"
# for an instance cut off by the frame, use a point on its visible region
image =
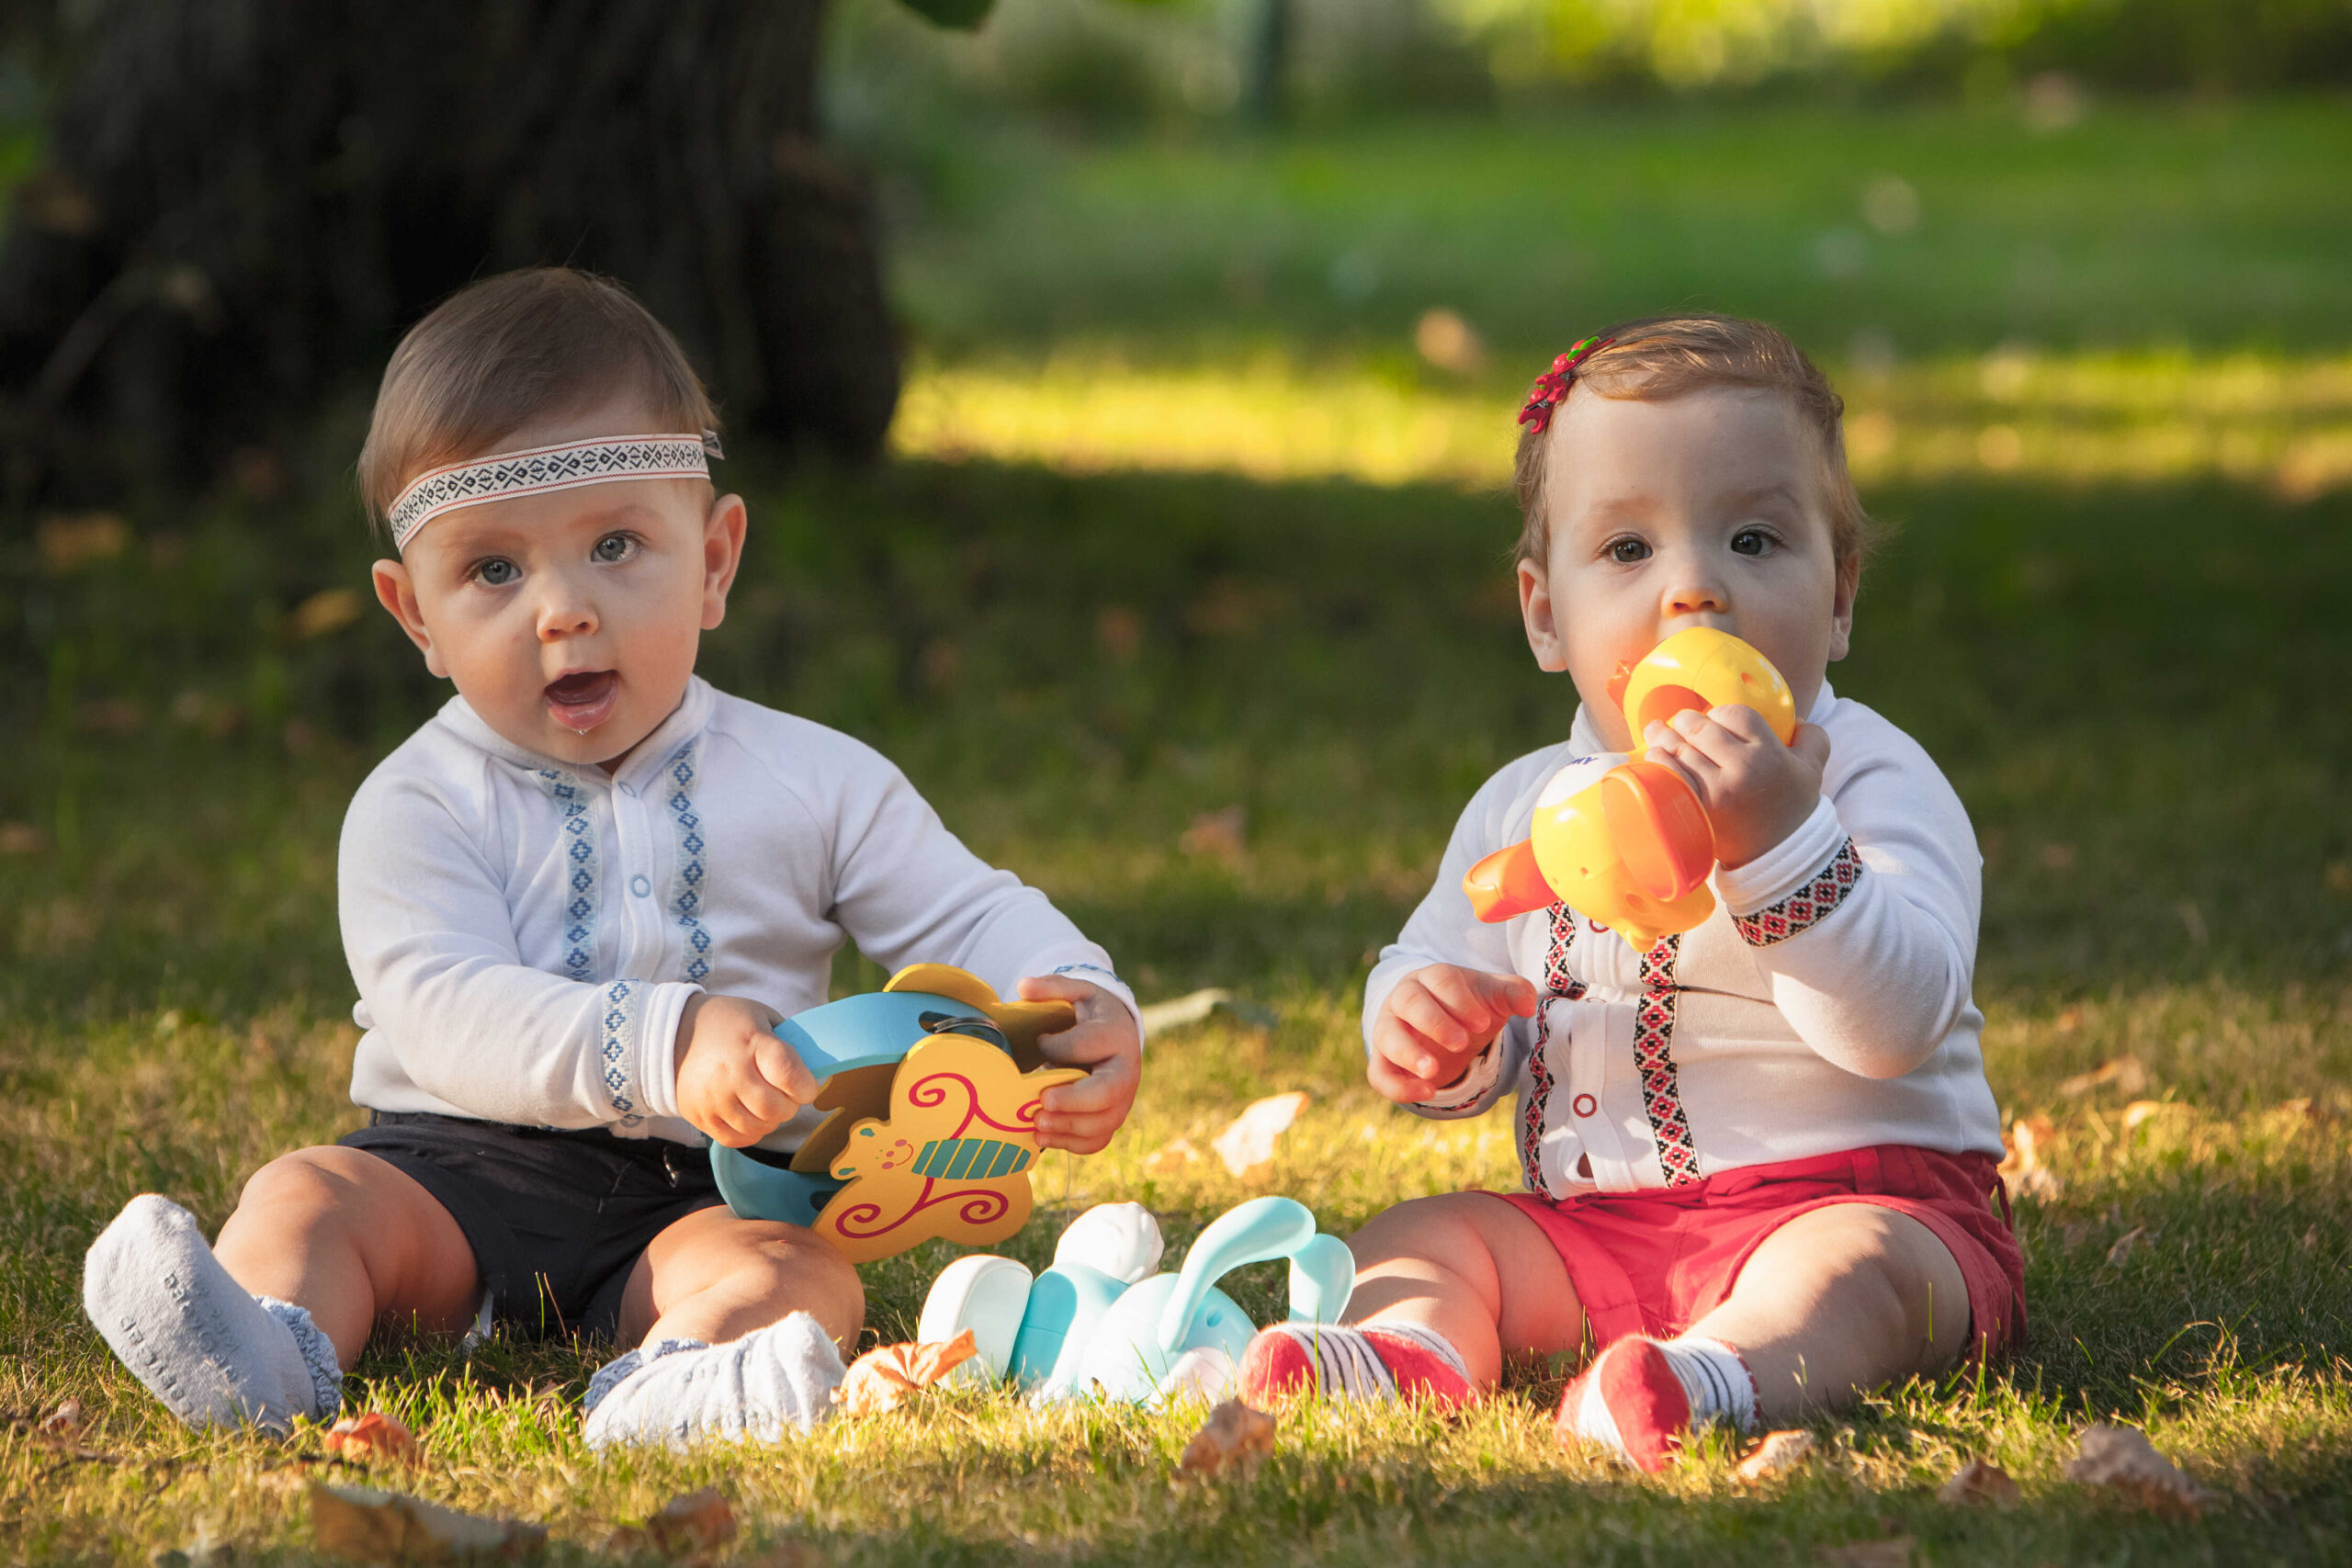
(2134, 684)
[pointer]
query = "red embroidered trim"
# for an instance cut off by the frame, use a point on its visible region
(1559, 983)
(1808, 905)
(1654, 1056)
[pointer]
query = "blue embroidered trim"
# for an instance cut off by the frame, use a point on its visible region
(618, 1024)
(685, 904)
(1089, 968)
(580, 849)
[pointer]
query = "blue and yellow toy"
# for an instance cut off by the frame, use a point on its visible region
(933, 1084)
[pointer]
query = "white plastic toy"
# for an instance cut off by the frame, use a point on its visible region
(1100, 1320)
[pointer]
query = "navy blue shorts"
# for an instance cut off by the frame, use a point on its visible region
(556, 1219)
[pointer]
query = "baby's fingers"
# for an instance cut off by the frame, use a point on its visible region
(783, 1070)
(1400, 1048)
(1478, 1001)
(1431, 1024)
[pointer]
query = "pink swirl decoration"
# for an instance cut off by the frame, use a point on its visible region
(922, 1096)
(978, 1207)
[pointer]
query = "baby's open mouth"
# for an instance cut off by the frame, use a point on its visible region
(583, 700)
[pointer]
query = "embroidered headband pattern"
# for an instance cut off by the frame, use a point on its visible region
(1550, 388)
(562, 466)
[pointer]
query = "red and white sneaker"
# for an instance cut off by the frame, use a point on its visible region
(1403, 1361)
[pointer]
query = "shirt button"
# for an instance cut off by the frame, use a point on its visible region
(1584, 1105)
(638, 886)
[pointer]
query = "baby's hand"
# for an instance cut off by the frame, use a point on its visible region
(1082, 1116)
(1756, 791)
(735, 1080)
(1435, 1022)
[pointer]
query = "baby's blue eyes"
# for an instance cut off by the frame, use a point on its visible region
(497, 571)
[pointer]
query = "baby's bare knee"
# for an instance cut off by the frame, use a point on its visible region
(1437, 1228)
(788, 1265)
(306, 1183)
(1887, 1265)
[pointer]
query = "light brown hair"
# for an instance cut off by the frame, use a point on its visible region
(511, 349)
(1661, 357)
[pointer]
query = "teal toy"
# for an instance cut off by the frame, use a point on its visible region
(1100, 1322)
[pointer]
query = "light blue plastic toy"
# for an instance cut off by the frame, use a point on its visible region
(1101, 1322)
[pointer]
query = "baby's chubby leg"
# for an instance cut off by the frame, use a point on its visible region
(324, 1242)
(739, 1325)
(1446, 1287)
(1839, 1301)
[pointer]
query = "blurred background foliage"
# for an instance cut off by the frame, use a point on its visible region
(1100, 64)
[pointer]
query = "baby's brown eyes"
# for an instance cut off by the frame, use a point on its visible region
(1627, 551)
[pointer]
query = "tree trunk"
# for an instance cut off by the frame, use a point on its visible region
(245, 201)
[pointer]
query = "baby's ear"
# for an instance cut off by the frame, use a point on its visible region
(722, 555)
(1841, 607)
(1538, 614)
(396, 590)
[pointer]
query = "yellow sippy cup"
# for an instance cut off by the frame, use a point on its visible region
(1626, 841)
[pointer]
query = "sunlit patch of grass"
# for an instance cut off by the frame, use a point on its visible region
(2015, 413)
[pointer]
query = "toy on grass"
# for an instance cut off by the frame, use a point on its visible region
(1622, 839)
(1101, 1320)
(933, 1085)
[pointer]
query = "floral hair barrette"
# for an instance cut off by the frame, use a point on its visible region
(1552, 386)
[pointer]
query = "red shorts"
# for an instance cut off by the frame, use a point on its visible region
(1656, 1262)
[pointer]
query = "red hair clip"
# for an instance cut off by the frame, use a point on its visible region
(1552, 387)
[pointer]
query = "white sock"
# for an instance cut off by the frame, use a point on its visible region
(1346, 1365)
(1715, 1379)
(682, 1391)
(214, 1354)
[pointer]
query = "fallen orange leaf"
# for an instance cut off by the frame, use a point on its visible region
(883, 1379)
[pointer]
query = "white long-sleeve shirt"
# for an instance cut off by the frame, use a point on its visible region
(525, 934)
(1824, 1006)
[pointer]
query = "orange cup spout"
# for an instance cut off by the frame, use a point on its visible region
(1659, 828)
(1508, 884)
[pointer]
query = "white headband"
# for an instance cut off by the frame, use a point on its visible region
(562, 466)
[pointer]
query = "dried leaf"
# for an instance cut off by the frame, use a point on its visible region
(1249, 1143)
(2122, 1460)
(64, 1422)
(1222, 835)
(2125, 1073)
(2025, 1171)
(373, 1436)
(1893, 1552)
(21, 839)
(1189, 1008)
(1234, 1434)
(2139, 1111)
(692, 1528)
(1778, 1454)
(369, 1525)
(1980, 1481)
(1177, 1155)
(883, 1379)
(2124, 1245)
